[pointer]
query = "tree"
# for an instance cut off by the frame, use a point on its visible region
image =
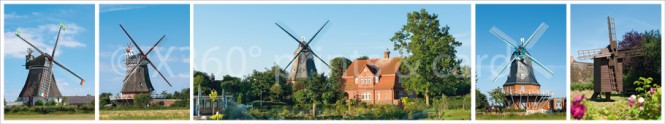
(239, 99)
(498, 97)
(481, 99)
(205, 82)
(105, 98)
(644, 66)
(276, 92)
(338, 67)
(432, 55)
(362, 58)
(213, 99)
(261, 82)
(142, 99)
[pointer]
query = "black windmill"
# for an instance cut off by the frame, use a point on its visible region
(137, 78)
(303, 62)
(40, 83)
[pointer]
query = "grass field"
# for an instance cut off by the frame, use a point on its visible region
(515, 116)
(457, 114)
(53, 116)
(176, 114)
(616, 98)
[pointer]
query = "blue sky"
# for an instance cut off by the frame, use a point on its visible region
(146, 24)
(588, 23)
(39, 24)
(521, 21)
(236, 39)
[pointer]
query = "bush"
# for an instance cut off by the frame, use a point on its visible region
(217, 117)
(580, 86)
(39, 103)
(142, 100)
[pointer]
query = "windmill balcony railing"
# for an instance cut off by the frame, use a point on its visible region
(528, 93)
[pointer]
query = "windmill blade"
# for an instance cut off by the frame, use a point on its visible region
(540, 64)
(32, 45)
(317, 56)
(153, 46)
(57, 38)
(132, 39)
(504, 69)
(505, 38)
(133, 70)
(536, 35)
(317, 32)
(287, 32)
(160, 73)
(70, 71)
(294, 58)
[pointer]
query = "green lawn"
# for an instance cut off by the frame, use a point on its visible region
(176, 114)
(457, 115)
(52, 116)
(520, 116)
(616, 98)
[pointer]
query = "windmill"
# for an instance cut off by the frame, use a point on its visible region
(41, 84)
(304, 67)
(137, 79)
(521, 87)
(608, 64)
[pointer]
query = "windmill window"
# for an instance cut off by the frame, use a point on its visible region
(523, 88)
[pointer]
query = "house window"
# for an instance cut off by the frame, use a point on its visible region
(558, 105)
(376, 79)
(366, 96)
(378, 94)
(356, 82)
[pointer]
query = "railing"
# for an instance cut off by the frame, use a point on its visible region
(529, 92)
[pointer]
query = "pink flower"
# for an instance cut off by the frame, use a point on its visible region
(652, 91)
(640, 101)
(578, 109)
(578, 99)
(631, 100)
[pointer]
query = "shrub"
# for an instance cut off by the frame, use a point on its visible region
(580, 86)
(39, 103)
(217, 117)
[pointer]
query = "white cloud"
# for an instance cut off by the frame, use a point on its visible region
(13, 15)
(43, 37)
(111, 8)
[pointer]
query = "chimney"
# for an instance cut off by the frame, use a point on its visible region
(386, 54)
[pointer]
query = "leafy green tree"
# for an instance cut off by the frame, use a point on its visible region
(213, 99)
(498, 97)
(261, 82)
(239, 99)
(362, 58)
(432, 55)
(276, 92)
(231, 84)
(644, 66)
(338, 67)
(142, 99)
(105, 98)
(481, 100)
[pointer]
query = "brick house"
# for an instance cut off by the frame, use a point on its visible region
(375, 80)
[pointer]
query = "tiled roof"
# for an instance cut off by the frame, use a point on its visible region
(386, 68)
